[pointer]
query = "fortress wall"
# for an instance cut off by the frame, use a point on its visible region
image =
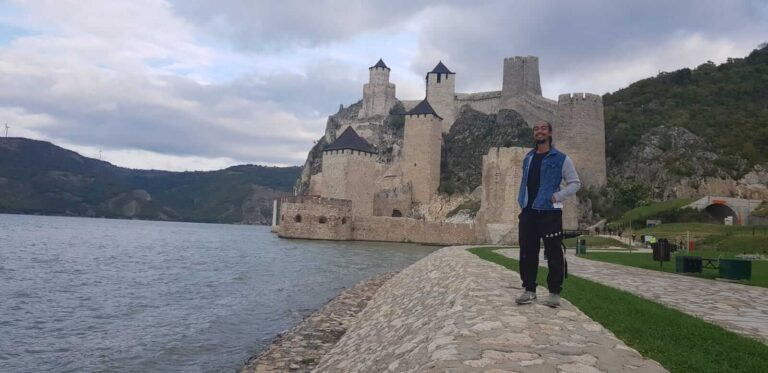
(499, 209)
(441, 94)
(484, 102)
(337, 214)
(388, 200)
(350, 174)
(581, 128)
(421, 155)
(532, 108)
(381, 228)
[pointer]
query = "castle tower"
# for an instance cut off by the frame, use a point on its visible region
(580, 132)
(441, 93)
(422, 147)
(349, 171)
(379, 93)
(521, 76)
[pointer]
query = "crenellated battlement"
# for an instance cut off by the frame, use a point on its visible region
(570, 98)
(348, 152)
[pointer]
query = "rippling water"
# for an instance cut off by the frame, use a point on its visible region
(79, 294)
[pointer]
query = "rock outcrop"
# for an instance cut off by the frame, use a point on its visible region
(676, 163)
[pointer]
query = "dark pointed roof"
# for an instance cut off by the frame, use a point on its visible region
(381, 64)
(423, 108)
(441, 69)
(349, 139)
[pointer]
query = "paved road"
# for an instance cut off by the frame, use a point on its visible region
(740, 308)
(455, 312)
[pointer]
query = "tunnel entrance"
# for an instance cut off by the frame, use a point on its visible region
(720, 211)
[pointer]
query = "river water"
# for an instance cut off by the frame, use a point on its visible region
(99, 295)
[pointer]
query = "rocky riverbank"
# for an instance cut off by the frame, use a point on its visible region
(300, 349)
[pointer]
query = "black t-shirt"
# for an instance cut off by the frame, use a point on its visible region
(534, 177)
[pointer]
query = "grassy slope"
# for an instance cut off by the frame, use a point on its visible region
(680, 342)
(715, 237)
(639, 214)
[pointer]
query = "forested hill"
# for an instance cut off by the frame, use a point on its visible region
(37, 177)
(726, 105)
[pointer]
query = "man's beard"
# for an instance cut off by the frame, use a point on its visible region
(542, 141)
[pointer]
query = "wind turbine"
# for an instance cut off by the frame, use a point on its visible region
(6, 129)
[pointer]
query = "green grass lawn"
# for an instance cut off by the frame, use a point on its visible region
(697, 230)
(595, 242)
(680, 342)
(639, 214)
(645, 260)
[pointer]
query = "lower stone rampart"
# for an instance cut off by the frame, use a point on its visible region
(315, 218)
(382, 228)
(454, 312)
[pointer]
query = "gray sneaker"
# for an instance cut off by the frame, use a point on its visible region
(553, 300)
(526, 297)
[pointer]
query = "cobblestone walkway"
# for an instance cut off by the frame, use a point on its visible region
(739, 308)
(454, 312)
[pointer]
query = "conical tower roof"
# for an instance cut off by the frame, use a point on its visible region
(441, 69)
(423, 108)
(380, 64)
(349, 139)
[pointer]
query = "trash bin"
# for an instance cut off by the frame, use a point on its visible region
(688, 264)
(581, 246)
(736, 269)
(660, 251)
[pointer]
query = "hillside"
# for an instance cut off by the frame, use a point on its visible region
(37, 177)
(688, 133)
(726, 105)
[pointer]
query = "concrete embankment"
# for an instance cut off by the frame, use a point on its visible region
(453, 311)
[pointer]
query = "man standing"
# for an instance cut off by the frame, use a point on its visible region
(541, 199)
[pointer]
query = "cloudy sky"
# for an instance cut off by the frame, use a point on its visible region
(203, 84)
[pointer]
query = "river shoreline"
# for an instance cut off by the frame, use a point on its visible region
(301, 348)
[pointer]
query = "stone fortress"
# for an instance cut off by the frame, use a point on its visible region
(354, 195)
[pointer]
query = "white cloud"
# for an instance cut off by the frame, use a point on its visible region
(186, 84)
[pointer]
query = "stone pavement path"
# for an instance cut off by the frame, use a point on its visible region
(739, 308)
(455, 312)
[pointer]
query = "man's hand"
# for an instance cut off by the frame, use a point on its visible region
(553, 199)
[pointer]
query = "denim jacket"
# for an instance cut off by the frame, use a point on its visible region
(555, 167)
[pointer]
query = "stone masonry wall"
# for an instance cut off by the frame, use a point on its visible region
(422, 148)
(385, 202)
(381, 228)
(350, 174)
(378, 94)
(502, 173)
(484, 102)
(581, 129)
(520, 77)
(300, 217)
(442, 97)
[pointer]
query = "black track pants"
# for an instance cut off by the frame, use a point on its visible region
(535, 226)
